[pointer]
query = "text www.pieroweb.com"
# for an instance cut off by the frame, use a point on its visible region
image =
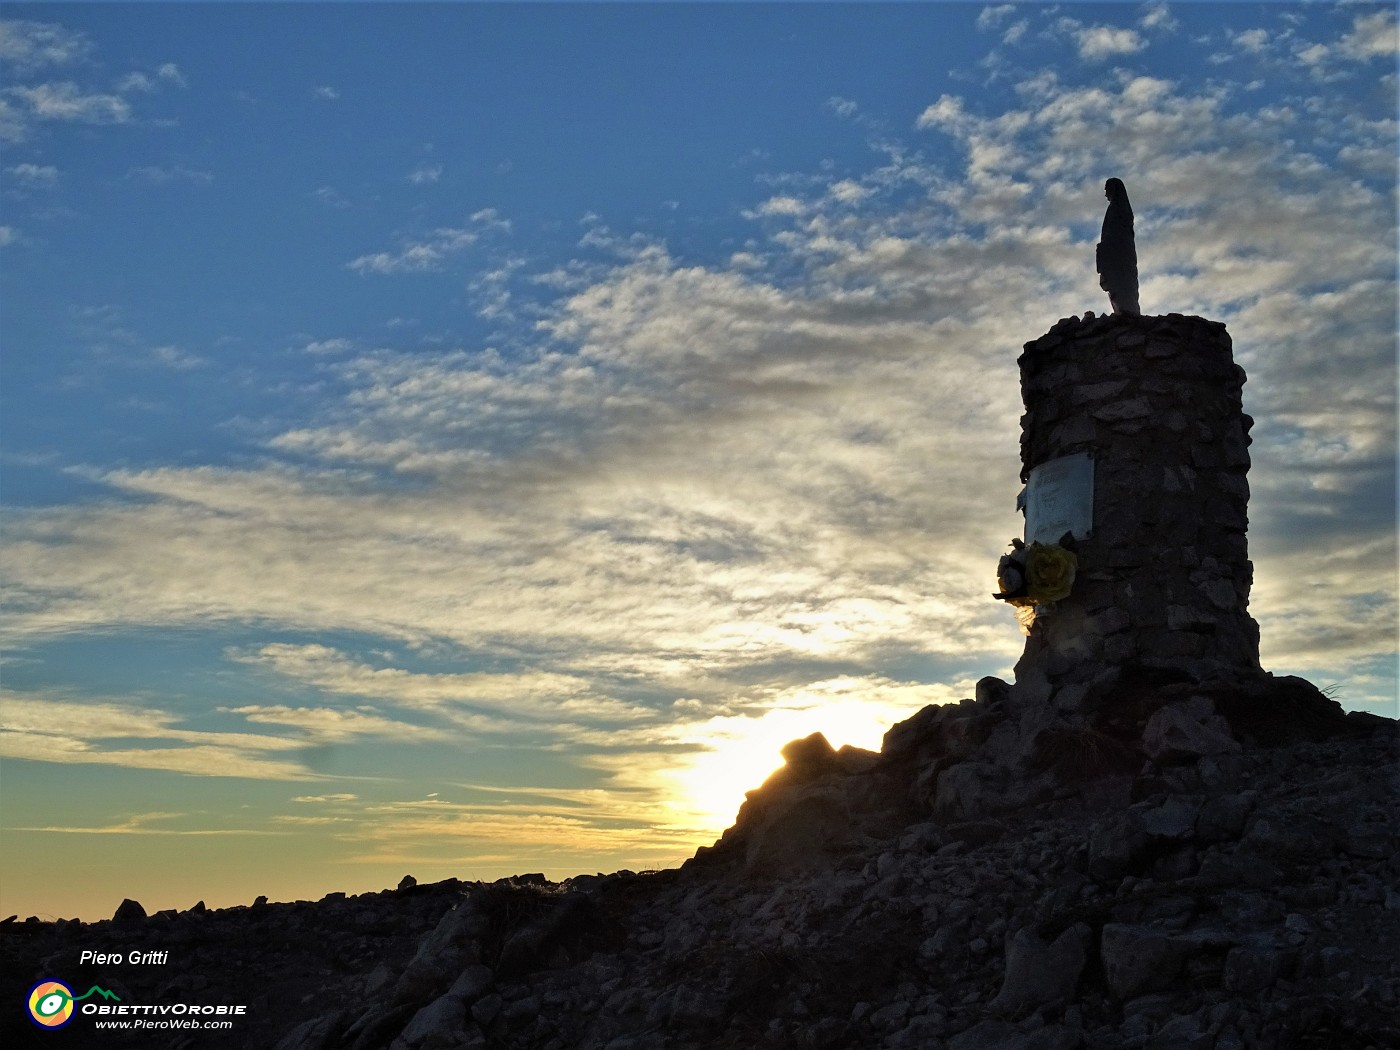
(172, 1023)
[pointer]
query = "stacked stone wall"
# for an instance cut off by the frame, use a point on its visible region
(1163, 581)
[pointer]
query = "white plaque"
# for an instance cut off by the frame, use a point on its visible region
(1060, 499)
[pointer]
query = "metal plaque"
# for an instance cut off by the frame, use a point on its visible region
(1060, 499)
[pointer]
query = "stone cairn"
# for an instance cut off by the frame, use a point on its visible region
(1163, 574)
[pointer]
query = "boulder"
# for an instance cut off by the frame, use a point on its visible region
(1187, 731)
(128, 913)
(969, 790)
(1223, 817)
(1003, 1035)
(318, 1033)
(809, 758)
(800, 832)
(1139, 959)
(442, 1023)
(1040, 974)
(443, 954)
(1252, 968)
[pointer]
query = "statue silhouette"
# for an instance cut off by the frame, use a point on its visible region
(1115, 256)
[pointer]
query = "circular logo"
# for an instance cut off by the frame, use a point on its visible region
(51, 1004)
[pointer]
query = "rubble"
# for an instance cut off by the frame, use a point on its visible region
(1243, 897)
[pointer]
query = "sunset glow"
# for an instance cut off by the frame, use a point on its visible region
(739, 752)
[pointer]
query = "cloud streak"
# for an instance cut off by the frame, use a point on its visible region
(431, 252)
(44, 728)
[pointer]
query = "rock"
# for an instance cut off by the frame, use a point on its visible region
(407, 883)
(442, 1023)
(891, 1016)
(968, 790)
(129, 913)
(487, 1009)
(443, 954)
(1173, 819)
(991, 691)
(808, 758)
(474, 982)
(1116, 411)
(1003, 1035)
(316, 1034)
(1223, 817)
(528, 948)
(1040, 974)
(1139, 959)
(1251, 969)
(1186, 732)
(1118, 848)
(1184, 1032)
(905, 739)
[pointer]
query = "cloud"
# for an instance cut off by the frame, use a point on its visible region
(28, 46)
(431, 831)
(781, 205)
(1251, 40)
(842, 107)
(1373, 36)
(176, 358)
(136, 82)
(8, 236)
(45, 728)
(142, 83)
(1099, 42)
(1016, 32)
(333, 725)
(431, 252)
(35, 50)
(340, 797)
(994, 16)
(848, 191)
(489, 702)
(37, 175)
(417, 257)
(65, 101)
(946, 112)
(491, 289)
(325, 93)
(327, 346)
(331, 197)
(425, 175)
(159, 176)
(12, 125)
(1158, 16)
(141, 824)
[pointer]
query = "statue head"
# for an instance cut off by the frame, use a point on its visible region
(1114, 190)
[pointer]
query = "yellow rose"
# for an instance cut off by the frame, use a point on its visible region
(1050, 572)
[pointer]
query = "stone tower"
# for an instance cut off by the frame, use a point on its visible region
(1143, 416)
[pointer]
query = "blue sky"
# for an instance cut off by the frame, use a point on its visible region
(469, 439)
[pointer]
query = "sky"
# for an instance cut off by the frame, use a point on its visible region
(464, 440)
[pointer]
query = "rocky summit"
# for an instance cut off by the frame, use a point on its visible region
(1193, 866)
